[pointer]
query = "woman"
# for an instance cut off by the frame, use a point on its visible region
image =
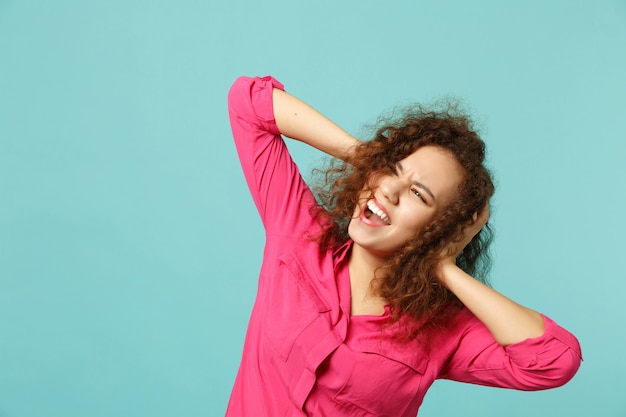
(362, 323)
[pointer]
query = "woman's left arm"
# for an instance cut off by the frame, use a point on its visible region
(504, 344)
(508, 321)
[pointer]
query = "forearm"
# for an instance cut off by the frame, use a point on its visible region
(298, 120)
(507, 321)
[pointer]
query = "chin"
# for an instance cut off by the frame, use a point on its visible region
(350, 227)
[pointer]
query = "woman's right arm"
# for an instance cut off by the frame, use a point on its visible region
(297, 120)
(282, 197)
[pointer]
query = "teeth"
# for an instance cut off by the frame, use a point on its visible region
(377, 211)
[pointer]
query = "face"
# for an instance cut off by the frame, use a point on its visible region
(399, 206)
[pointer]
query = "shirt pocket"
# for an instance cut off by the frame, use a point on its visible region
(292, 306)
(382, 384)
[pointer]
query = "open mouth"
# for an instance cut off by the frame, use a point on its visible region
(376, 214)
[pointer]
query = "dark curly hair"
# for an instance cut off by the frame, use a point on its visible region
(409, 282)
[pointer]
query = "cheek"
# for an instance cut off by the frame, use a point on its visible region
(417, 222)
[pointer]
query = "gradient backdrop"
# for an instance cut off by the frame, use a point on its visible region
(129, 246)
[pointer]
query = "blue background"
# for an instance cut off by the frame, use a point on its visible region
(129, 246)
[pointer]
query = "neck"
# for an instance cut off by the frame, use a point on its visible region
(363, 266)
(364, 294)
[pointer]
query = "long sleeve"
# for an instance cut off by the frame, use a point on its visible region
(273, 178)
(547, 361)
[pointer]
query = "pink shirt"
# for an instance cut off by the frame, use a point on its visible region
(304, 354)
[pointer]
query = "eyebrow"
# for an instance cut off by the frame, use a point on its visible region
(418, 184)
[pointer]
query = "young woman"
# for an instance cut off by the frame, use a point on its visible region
(363, 301)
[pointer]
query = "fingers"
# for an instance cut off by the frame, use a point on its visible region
(481, 217)
(479, 220)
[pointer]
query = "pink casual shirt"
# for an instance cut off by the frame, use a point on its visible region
(304, 354)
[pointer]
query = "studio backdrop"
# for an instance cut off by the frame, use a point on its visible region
(129, 244)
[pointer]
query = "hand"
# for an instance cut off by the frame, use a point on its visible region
(454, 249)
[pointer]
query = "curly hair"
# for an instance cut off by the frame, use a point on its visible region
(408, 282)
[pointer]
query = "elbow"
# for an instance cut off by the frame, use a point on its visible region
(237, 89)
(552, 375)
(569, 364)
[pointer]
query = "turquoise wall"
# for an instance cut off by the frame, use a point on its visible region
(129, 246)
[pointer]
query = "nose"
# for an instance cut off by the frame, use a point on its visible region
(390, 188)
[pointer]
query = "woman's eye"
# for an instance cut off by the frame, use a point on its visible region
(418, 194)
